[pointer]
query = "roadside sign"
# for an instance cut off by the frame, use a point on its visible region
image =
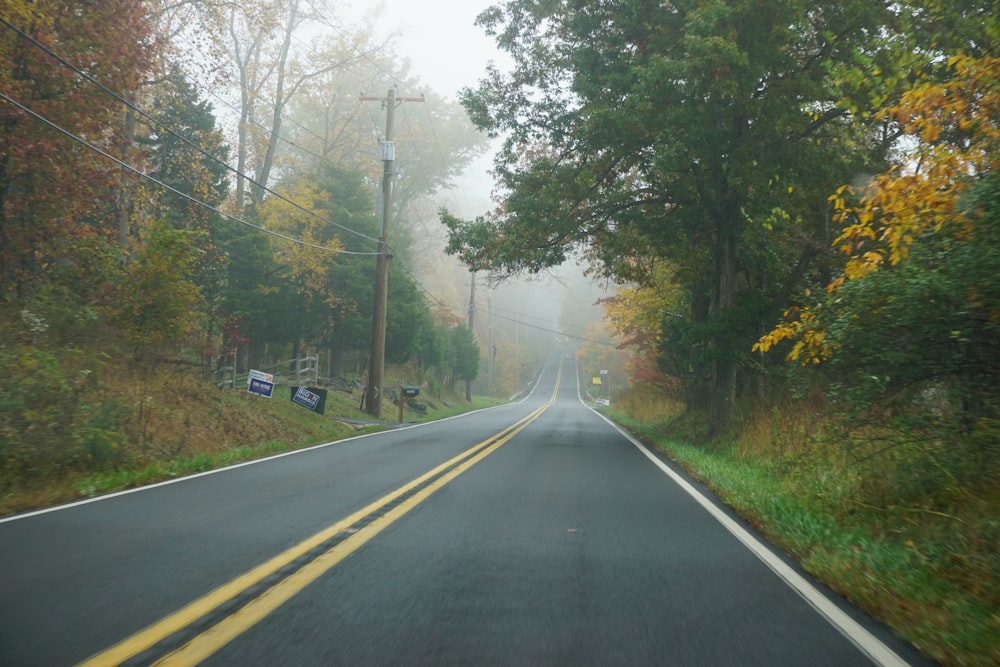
(311, 398)
(260, 383)
(260, 375)
(261, 388)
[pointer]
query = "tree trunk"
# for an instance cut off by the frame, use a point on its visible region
(264, 170)
(699, 390)
(723, 402)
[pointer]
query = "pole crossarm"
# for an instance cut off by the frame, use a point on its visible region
(383, 100)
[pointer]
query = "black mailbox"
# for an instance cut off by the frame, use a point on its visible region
(410, 392)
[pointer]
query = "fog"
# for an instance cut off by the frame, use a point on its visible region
(438, 38)
(448, 52)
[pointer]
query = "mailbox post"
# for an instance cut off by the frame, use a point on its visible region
(406, 392)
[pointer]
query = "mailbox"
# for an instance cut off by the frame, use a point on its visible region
(410, 392)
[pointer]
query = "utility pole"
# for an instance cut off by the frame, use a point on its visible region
(472, 302)
(492, 344)
(376, 360)
(472, 323)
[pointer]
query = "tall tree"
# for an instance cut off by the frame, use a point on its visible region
(269, 74)
(52, 189)
(707, 134)
(464, 357)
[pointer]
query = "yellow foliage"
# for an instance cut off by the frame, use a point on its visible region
(310, 260)
(636, 317)
(956, 126)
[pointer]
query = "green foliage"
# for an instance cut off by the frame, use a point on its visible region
(53, 418)
(465, 354)
(187, 153)
(888, 533)
(918, 350)
(409, 319)
(431, 344)
(702, 134)
(157, 301)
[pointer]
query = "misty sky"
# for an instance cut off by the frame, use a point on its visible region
(448, 52)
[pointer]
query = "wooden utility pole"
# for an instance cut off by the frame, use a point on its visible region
(472, 323)
(376, 360)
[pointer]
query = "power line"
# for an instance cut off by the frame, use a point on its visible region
(517, 320)
(160, 183)
(175, 134)
(560, 333)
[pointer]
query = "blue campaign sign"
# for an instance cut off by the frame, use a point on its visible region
(261, 387)
(312, 398)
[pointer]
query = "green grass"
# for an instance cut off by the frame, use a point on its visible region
(117, 480)
(929, 568)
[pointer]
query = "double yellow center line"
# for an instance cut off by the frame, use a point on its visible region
(263, 589)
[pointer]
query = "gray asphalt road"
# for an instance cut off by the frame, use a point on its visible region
(566, 544)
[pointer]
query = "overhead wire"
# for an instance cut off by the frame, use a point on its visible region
(363, 55)
(517, 320)
(160, 183)
(555, 331)
(174, 133)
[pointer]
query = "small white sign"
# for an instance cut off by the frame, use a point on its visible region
(260, 375)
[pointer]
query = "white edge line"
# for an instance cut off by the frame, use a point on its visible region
(857, 634)
(185, 478)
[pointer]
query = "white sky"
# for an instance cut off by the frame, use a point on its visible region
(447, 52)
(446, 49)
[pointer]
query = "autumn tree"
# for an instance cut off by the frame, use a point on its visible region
(54, 191)
(329, 124)
(641, 318)
(915, 308)
(157, 301)
(705, 134)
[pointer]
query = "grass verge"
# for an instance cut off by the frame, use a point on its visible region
(928, 568)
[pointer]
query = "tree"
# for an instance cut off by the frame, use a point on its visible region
(436, 140)
(705, 134)
(465, 357)
(187, 153)
(53, 191)
(321, 279)
(408, 317)
(915, 307)
(640, 317)
(157, 301)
